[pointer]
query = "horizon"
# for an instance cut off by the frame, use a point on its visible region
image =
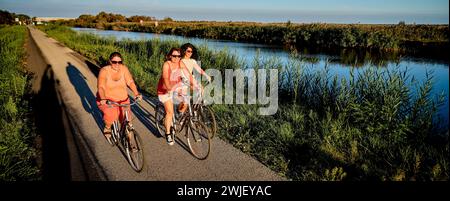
(322, 11)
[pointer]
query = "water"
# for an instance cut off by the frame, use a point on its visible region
(339, 63)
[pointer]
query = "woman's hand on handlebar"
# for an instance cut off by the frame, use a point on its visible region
(208, 78)
(138, 97)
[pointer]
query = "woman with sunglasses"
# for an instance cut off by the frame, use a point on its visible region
(174, 76)
(112, 84)
(189, 55)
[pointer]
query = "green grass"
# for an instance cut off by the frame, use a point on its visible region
(17, 132)
(374, 125)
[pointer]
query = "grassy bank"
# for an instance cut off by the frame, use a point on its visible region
(372, 126)
(403, 37)
(17, 131)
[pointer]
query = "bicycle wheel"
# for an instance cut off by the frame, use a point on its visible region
(208, 118)
(160, 114)
(135, 158)
(198, 139)
(114, 133)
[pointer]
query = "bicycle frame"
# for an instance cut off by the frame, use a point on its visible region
(197, 136)
(186, 99)
(134, 156)
(125, 121)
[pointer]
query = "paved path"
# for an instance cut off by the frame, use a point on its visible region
(76, 85)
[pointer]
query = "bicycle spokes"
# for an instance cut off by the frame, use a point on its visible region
(133, 149)
(198, 140)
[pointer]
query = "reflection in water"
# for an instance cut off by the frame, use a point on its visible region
(338, 61)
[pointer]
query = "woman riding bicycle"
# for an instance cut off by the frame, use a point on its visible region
(112, 84)
(174, 76)
(189, 57)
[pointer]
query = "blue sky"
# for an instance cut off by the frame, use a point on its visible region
(302, 11)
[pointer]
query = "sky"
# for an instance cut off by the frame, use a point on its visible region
(296, 11)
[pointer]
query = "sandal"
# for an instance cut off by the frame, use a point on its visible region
(107, 133)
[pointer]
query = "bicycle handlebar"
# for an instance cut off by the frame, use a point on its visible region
(185, 97)
(110, 102)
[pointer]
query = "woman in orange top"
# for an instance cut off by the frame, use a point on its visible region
(112, 84)
(174, 73)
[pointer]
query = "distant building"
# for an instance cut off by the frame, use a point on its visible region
(42, 20)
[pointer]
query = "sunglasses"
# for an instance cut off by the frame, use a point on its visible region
(189, 51)
(179, 56)
(116, 62)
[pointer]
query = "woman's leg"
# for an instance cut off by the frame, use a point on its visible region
(168, 107)
(123, 109)
(182, 107)
(110, 114)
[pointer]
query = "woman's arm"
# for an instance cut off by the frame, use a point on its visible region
(198, 68)
(185, 71)
(101, 85)
(130, 82)
(201, 71)
(166, 76)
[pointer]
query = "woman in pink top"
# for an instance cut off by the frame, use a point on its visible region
(112, 84)
(174, 73)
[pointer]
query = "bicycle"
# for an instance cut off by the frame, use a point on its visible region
(119, 134)
(207, 116)
(196, 133)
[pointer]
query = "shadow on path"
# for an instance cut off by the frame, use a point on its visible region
(87, 98)
(49, 120)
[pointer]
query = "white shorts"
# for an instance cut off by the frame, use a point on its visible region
(169, 96)
(165, 97)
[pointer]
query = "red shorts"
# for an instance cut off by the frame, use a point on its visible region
(113, 112)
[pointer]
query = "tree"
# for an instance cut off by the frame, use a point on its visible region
(138, 18)
(23, 17)
(101, 17)
(168, 19)
(85, 19)
(6, 17)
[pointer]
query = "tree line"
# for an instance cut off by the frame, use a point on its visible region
(389, 37)
(104, 17)
(9, 18)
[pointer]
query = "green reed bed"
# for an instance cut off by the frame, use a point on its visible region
(17, 131)
(318, 35)
(377, 124)
(372, 126)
